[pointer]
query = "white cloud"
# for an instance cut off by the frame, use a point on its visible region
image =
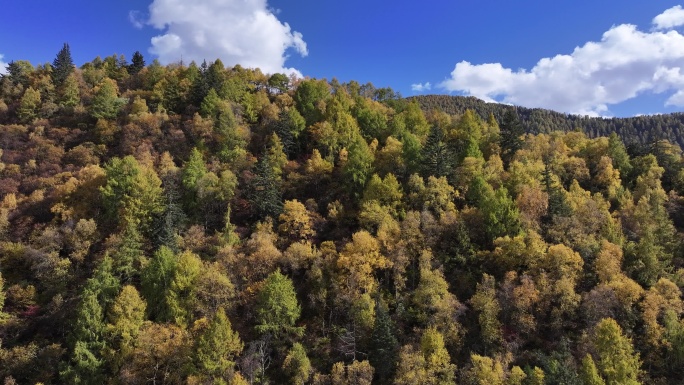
(3, 65)
(136, 18)
(671, 18)
(623, 64)
(420, 87)
(245, 32)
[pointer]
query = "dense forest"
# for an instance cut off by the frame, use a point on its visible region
(640, 130)
(197, 224)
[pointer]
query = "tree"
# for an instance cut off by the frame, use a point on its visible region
(29, 105)
(308, 97)
(70, 94)
(485, 371)
(437, 159)
(357, 263)
(280, 82)
(265, 190)
(356, 373)
(297, 365)
(3, 316)
(156, 282)
(619, 156)
(438, 362)
(106, 103)
(618, 363)
(86, 362)
(132, 193)
(431, 365)
(295, 222)
(359, 165)
(161, 356)
(384, 347)
(589, 373)
(181, 294)
(486, 304)
(277, 307)
(137, 63)
(62, 66)
(126, 316)
(217, 347)
(511, 131)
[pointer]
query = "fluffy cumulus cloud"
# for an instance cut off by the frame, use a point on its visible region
(3, 65)
(421, 87)
(673, 17)
(245, 32)
(623, 64)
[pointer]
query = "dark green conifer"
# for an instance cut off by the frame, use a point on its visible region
(62, 66)
(511, 131)
(137, 63)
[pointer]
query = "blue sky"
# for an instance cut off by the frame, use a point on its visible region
(610, 58)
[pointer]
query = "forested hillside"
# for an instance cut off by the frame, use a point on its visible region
(640, 130)
(197, 224)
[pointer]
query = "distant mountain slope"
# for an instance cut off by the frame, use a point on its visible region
(640, 129)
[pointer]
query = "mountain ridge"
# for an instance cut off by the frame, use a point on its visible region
(637, 130)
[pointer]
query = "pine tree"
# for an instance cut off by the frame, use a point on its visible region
(156, 282)
(384, 347)
(436, 157)
(511, 130)
(137, 63)
(62, 66)
(265, 190)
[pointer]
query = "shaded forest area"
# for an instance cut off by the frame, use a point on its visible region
(634, 132)
(197, 224)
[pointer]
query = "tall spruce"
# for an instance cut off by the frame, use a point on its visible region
(62, 66)
(436, 157)
(266, 194)
(384, 347)
(511, 130)
(137, 63)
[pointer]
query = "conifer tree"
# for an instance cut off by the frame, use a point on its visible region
(69, 95)
(137, 63)
(588, 372)
(265, 189)
(106, 103)
(218, 347)
(436, 157)
(384, 347)
(618, 362)
(29, 105)
(156, 282)
(511, 130)
(297, 365)
(62, 66)
(277, 307)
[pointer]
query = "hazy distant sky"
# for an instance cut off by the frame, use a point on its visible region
(608, 57)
